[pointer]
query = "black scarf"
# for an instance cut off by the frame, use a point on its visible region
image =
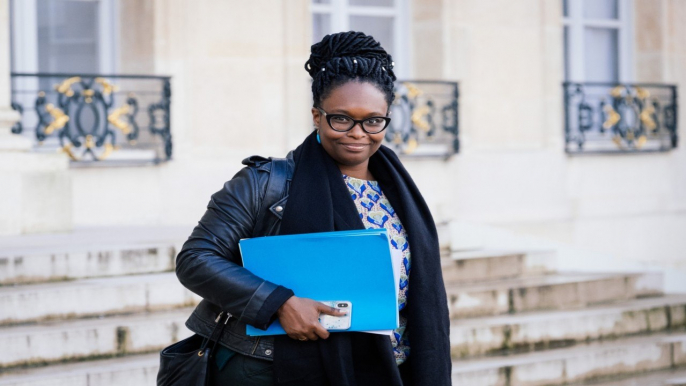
(319, 201)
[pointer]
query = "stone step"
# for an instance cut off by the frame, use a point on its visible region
(89, 253)
(133, 370)
(531, 331)
(681, 381)
(671, 377)
(549, 292)
(485, 265)
(141, 370)
(91, 338)
(576, 364)
(93, 297)
(105, 261)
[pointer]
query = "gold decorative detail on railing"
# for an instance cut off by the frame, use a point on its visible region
(60, 118)
(107, 87)
(88, 95)
(67, 150)
(412, 90)
(65, 86)
(617, 139)
(419, 118)
(642, 93)
(641, 141)
(115, 119)
(612, 117)
(646, 116)
(109, 148)
(90, 143)
(617, 91)
(412, 145)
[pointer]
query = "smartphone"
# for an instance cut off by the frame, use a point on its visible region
(331, 322)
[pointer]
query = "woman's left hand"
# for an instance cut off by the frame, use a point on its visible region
(300, 318)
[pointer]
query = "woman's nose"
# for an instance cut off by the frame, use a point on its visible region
(357, 131)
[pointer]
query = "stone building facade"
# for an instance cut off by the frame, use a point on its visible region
(239, 88)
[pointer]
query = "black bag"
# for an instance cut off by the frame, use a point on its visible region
(185, 363)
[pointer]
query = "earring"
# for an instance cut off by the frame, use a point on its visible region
(318, 139)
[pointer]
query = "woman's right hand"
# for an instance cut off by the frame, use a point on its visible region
(300, 318)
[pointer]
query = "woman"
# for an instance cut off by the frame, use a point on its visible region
(339, 178)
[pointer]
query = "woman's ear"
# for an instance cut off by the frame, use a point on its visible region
(315, 116)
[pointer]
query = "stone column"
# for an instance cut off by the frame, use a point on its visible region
(35, 189)
(7, 115)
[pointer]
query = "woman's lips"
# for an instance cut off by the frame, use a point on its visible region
(355, 147)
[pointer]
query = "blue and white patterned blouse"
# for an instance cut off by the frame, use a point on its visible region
(376, 212)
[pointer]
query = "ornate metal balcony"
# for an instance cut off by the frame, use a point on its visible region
(626, 118)
(95, 117)
(424, 119)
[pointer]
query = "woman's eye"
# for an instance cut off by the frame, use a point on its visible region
(340, 119)
(374, 121)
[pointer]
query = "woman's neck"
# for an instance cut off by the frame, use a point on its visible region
(358, 171)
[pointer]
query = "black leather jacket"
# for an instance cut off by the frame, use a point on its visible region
(209, 264)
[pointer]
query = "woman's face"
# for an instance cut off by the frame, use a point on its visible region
(358, 100)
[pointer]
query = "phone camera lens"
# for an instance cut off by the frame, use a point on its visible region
(342, 305)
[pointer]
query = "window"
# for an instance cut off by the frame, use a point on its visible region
(597, 40)
(63, 36)
(386, 20)
(59, 36)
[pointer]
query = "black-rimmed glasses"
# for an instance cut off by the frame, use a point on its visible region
(341, 122)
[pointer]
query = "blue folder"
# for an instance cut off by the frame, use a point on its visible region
(344, 265)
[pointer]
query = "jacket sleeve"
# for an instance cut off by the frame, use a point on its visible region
(209, 263)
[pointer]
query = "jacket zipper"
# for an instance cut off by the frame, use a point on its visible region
(257, 342)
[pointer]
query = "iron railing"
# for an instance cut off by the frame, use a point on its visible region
(424, 119)
(96, 117)
(625, 118)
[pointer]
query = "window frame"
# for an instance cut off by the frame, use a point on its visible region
(574, 43)
(340, 12)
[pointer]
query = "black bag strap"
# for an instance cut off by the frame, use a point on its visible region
(216, 335)
(275, 188)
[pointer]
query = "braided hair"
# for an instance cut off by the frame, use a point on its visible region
(349, 56)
